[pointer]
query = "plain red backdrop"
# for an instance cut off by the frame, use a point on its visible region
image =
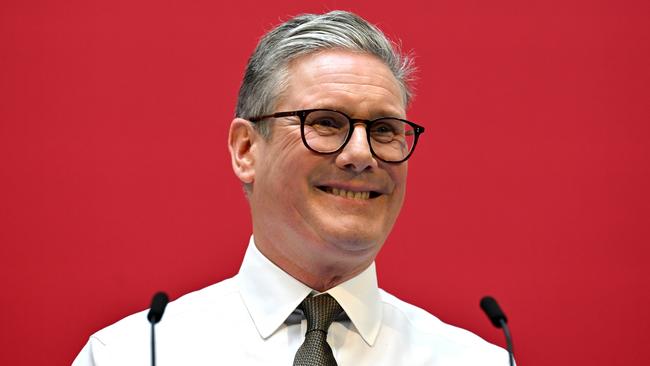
(530, 183)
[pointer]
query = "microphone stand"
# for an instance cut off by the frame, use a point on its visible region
(153, 344)
(506, 331)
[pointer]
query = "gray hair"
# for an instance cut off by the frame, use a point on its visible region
(266, 74)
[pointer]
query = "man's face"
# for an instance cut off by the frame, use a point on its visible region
(293, 201)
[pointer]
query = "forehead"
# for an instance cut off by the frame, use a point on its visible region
(353, 82)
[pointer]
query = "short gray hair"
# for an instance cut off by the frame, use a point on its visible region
(266, 74)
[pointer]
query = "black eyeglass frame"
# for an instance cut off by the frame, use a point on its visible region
(302, 114)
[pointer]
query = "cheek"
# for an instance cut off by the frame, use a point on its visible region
(287, 174)
(288, 159)
(398, 175)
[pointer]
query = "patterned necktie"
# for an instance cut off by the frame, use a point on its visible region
(320, 312)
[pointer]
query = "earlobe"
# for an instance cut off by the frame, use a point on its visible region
(241, 143)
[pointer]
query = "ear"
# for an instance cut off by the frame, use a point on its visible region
(242, 143)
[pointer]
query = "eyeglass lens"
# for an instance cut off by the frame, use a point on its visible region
(390, 138)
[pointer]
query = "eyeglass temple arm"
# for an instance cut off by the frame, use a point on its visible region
(275, 115)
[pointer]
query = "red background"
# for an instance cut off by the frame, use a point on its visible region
(530, 183)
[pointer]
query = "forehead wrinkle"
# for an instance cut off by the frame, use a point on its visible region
(387, 82)
(358, 107)
(352, 62)
(352, 101)
(354, 88)
(331, 71)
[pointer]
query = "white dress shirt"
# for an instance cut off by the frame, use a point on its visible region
(251, 319)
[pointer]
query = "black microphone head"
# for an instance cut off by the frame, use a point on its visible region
(158, 304)
(493, 311)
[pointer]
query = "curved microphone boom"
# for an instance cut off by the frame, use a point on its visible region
(156, 311)
(499, 320)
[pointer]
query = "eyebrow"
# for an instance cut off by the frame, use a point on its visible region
(382, 113)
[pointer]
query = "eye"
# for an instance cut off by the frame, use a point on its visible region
(326, 122)
(387, 130)
(383, 129)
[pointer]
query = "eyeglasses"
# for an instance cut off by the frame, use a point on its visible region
(327, 131)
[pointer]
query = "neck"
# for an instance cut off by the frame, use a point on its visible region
(319, 271)
(321, 279)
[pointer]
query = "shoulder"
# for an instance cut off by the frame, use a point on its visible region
(450, 343)
(126, 342)
(190, 304)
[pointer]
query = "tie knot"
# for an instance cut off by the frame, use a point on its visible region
(320, 311)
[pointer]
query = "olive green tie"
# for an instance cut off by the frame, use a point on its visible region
(320, 312)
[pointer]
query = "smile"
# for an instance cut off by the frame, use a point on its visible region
(363, 195)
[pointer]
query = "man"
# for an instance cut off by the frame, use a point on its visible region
(320, 143)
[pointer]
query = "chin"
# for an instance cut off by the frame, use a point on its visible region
(354, 243)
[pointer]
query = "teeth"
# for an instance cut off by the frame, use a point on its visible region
(349, 194)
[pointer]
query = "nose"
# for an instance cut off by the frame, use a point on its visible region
(356, 155)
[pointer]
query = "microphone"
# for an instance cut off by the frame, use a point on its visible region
(158, 304)
(499, 320)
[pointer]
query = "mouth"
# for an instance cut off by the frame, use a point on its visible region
(357, 195)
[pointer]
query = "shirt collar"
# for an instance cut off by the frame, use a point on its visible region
(271, 295)
(359, 297)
